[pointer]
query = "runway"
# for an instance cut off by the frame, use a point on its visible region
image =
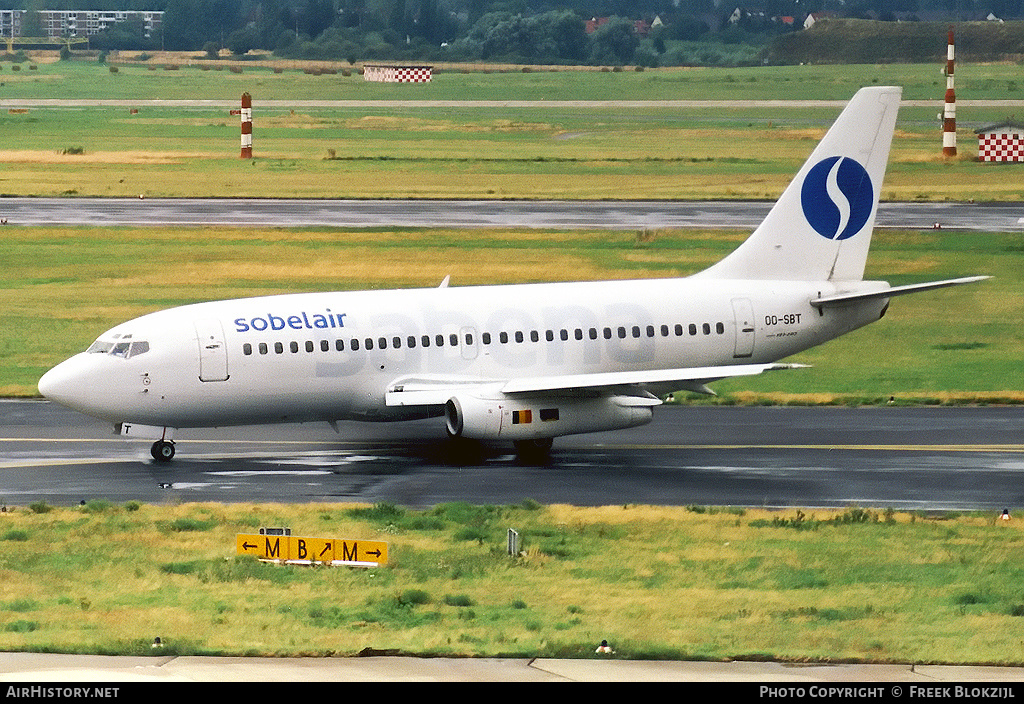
(931, 458)
(990, 217)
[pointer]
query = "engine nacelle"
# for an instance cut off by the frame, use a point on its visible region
(532, 419)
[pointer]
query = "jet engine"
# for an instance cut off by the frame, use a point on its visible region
(532, 418)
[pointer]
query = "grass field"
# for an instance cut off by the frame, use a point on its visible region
(470, 152)
(64, 286)
(661, 583)
(84, 79)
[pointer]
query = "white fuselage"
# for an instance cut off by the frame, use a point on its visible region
(331, 356)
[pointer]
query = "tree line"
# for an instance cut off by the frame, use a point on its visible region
(517, 31)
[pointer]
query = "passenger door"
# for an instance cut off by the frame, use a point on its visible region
(213, 354)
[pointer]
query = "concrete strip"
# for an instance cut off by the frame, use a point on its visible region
(31, 667)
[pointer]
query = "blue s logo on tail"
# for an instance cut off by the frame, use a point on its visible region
(837, 197)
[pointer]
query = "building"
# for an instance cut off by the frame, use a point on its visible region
(1001, 142)
(10, 23)
(57, 24)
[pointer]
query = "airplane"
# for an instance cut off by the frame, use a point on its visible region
(523, 363)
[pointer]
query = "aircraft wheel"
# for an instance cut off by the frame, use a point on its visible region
(162, 451)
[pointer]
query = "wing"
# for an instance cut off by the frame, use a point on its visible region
(435, 390)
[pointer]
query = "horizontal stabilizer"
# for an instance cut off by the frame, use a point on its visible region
(839, 298)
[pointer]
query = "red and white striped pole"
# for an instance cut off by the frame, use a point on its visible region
(949, 114)
(246, 126)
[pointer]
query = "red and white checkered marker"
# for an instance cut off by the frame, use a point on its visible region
(1001, 146)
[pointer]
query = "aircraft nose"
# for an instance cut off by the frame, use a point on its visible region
(65, 384)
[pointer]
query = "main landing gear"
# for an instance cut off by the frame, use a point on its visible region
(534, 450)
(162, 450)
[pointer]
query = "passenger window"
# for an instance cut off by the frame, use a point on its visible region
(454, 340)
(309, 345)
(622, 333)
(664, 330)
(325, 346)
(339, 345)
(549, 335)
(293, 346)
(396, 342)
(579, 333)
(607, 333)
(411, 341)
(693, 329)
(355, 345)
(719, 328)
(246, 349)
(636, 331)
(503, 336)
(263, 348)
(278, 348)
(469, 338)
(425, 340)
(486, 337)
(382, 343)
(563, 334)
(368, 343)
(519, 336)
(439, 340)
(534, 336)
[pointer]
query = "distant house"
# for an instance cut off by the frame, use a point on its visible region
(1001, 142)
(641, 28)
(813, 18)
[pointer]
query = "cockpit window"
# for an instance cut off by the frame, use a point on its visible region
(99, 347)
(119, 346)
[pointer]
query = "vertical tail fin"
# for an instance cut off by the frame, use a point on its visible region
(820, 228)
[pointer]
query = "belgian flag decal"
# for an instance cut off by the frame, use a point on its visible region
(522, 417)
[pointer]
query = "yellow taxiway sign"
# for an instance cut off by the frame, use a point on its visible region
(294, 549)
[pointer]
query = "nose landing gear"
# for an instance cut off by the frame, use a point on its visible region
(162, 450)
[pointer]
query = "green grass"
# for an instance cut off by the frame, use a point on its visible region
(64, 286)
(470, 152)
(678, 583)
(545, 153)
(88, 80)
